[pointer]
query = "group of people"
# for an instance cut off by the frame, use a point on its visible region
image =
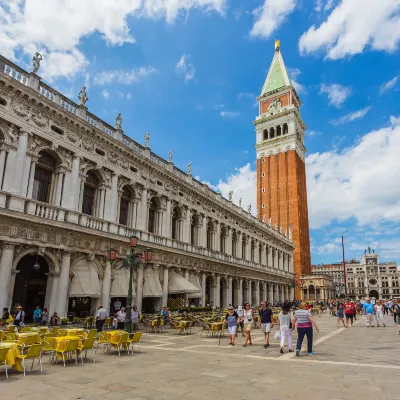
(245, 319)
(40, 317)
(118, 320)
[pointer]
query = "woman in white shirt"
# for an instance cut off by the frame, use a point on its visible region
(121, 314)
(248, 319)
(285, 326)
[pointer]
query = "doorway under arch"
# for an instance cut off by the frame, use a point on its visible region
(223, 294)
(210, 290)
(374, 293)
(235, 292)
(31, 283)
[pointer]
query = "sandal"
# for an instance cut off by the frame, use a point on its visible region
(245, 345)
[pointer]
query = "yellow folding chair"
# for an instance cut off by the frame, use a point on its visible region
(120, 341)
(102, 339)
(34, 351)
(85, 345)
(50, 345)
(66, 349)
(91, 333)
(2, 335)
(3, 359)
(135, 340)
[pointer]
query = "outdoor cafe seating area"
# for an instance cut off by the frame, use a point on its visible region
(19, 350)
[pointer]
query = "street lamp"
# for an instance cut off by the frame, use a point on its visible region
(132, 262)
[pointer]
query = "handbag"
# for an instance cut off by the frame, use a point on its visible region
(277, 335)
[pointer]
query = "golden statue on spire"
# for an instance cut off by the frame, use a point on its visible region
(277, 45)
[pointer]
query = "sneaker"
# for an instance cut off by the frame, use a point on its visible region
(311, 354)
(281, 350)
(298, 352)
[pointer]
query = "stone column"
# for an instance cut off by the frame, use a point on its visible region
(203, 233)
(143, 211)
(271, 293)
(2, 165)
(186, 296)
(240, 297)
(230, 279)
(60, 179)
(31, 179)
(203, 288)
(217, 299)
(270, 257)
(100, 211)
(257, 293)
(265, 291)
(52, 292)
(167, 227)
(106, 287)
(80, 199)
(139, 291)
(63, 285)
(249, 292)
(248, 248)
(18, 173)
(228, 241)
(165, 287)
(217, 234)
(6, 262)
(71, 198)
(239, 245)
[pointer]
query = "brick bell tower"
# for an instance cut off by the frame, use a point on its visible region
(281, 174)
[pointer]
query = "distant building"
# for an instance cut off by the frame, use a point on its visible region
(365, 278)
(316, 287)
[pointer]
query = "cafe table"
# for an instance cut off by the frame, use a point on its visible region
(112, 335)
(12, 354)
(76, 332)
(36, 337)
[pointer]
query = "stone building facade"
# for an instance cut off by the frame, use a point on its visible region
(365, 278)
(281, 173)
(316, 287)
(72, 186)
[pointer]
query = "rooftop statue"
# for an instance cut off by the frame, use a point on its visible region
(36, 62)
(118, 122)
(170, 155)
(83, 98)
(146, 140)
(189, 168)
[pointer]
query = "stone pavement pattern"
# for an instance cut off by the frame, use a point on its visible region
(357, 363)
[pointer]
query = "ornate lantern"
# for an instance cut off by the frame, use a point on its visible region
(133, 241)
(112, 254)
(148, 255)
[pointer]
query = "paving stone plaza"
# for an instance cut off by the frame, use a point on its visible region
(355, 363)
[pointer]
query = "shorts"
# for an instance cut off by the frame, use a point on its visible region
(241, 324)
(266, 328)
(37, 319)
(350, 316)
(232, 330)
(248, 326)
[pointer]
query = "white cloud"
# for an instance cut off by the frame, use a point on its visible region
(243, 184)
(128, 96)
(351, 116)
(337, 94)
(329, 4)
(354, 25)
(388, 85)
(185, 67)
(229, 114)
(123, 77)
(354, 183)
(105, 94)
(245, 95)
(294, 73)
(56, 27)
(270, 16)
(318, 5)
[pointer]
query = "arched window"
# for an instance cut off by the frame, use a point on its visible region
(210, 235)
(43, 183)
(265, 134)
(90, 194)
(152, 225)
(234, 241)
(194, 230)
(176, 223)
(222, 242)
(285, 128)
(244, 247)
(125, 207)
(271, 133)
(278, 130)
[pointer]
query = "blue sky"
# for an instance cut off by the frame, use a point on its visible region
(188, 72)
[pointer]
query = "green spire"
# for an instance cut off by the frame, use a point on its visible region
(277, 77)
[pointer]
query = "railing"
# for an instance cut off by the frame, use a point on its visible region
(67, 104)
(92, 120)
(12, 70)
(94, 223)
(128, 142)
(158, 160)
(108, 130)
(179, 173)
(45, 91)
(46, 211)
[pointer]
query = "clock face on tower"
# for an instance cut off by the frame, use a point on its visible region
(371, 261)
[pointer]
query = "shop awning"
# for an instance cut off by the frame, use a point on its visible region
(194, 279)
(151, 284)
(85, 282)
(178, 284)
(120, 283)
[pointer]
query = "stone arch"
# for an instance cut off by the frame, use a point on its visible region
(278, 130)
(271, 132)
(94, 260)
(285, 128)
(265, 134)
(176, 222)
(54, 153)
(98, 172)
(51, 259)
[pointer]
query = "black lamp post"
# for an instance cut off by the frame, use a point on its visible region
(132, 262)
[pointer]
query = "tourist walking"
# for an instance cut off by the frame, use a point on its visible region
(379, 311)
(37, 315)
(285, 327)
(20, 317)
(248, 318)
(239, 312)
(45, 317)
(349, 311)
(121, 315)
(265, 321)
(368, 311)
(232, 320)
(303, 320)
(100, 318)
(396, 312)
(135, 319)
(340, 315)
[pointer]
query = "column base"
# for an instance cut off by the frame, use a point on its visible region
(15, 203)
